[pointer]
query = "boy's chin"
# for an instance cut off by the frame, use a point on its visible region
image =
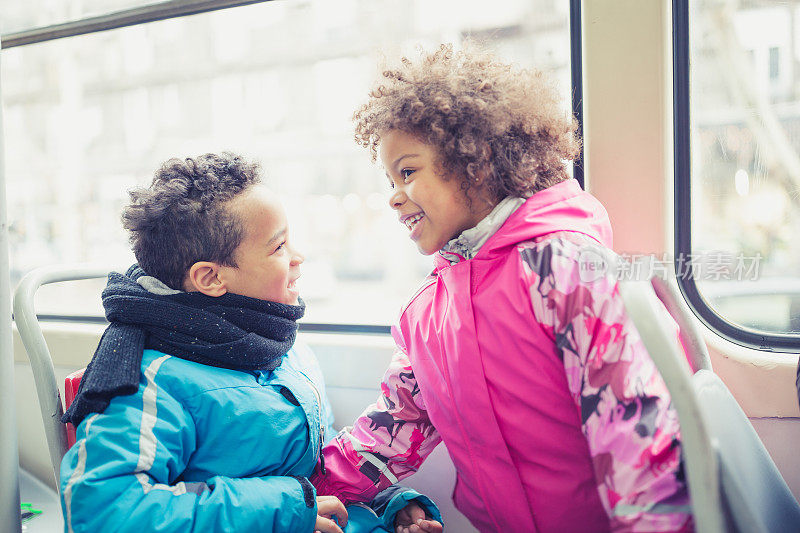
(288, 300)
(285, 301)
(292, 299)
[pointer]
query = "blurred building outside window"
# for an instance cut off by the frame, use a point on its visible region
(745, 133)
(89, 117)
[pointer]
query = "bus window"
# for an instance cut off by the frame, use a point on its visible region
(87, 117)
(737, 250)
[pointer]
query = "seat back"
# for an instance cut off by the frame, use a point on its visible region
(71, 385)
(733, 482)
(41, 363)
(692, 342)
(755, 496)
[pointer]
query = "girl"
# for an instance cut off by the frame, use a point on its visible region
(516, 351)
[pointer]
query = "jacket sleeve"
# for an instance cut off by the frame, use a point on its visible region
(327, 419)
(313, 371)
(390, 501)
(124, 474)
(625, 408)
(388, 441)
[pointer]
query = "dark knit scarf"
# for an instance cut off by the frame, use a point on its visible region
(229, 331)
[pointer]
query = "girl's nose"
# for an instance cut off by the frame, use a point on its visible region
(397, 199)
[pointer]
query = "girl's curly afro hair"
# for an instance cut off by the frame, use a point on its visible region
(491, 122)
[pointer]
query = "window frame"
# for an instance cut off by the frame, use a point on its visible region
(735, 333)
(307, 327)
(120, 19)
(181, 8)
(576, 70)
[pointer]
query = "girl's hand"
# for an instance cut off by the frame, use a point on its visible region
(327, 507)
(413, 519)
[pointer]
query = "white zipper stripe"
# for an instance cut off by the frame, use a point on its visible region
(80, 468)
(147, 439)
(144, 481)
(319, 408)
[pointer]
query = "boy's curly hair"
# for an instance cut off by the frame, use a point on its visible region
(489, 120)
(183, 218)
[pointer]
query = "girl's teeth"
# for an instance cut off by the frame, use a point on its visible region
(411, 222)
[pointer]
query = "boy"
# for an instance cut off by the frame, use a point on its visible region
(198, 412)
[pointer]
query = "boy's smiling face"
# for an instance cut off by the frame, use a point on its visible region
(267, 265)
(433, 208)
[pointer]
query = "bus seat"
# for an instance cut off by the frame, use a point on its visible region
(733, 482)
(692, 343)
(71, 384)
(41, 362)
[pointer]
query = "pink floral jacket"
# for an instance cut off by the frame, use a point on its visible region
(518, 353)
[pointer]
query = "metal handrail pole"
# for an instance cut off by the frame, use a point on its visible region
(119, 19)
(39, 354)
(9, 453)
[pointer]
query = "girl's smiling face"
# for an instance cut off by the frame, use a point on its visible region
(432, 206)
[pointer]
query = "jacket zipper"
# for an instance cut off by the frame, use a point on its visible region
(321, 426)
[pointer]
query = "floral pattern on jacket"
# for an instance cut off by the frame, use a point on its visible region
(624, 406)
(625, 409)
(388, 442)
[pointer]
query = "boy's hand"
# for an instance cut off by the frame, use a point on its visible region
(327, 507)
(413, 519)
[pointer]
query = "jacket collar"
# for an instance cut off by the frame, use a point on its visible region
(467, 244)
(562, 207)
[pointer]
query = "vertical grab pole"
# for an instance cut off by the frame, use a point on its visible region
(9, 454)
(576, 74)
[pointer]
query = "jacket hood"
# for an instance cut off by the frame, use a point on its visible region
(562, 207)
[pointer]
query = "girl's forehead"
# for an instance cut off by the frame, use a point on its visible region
(396, 144)
(395, 136)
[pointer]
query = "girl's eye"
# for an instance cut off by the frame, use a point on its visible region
(406, 173)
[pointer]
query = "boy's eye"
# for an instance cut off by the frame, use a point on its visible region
(280, 246)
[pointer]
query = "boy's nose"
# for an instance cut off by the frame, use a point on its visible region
(297, 257)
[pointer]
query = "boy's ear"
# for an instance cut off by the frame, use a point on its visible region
(204, 277)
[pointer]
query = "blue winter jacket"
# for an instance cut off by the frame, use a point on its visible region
(200, 448)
